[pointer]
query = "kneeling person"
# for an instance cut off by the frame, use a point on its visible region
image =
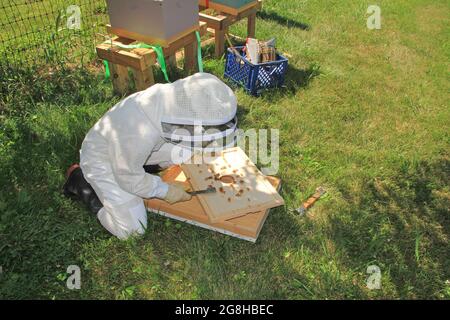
(153, 128)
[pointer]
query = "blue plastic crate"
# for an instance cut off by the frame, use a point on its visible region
(255, 77)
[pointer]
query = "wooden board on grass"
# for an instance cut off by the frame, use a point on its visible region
(241, 187)
(247, 227)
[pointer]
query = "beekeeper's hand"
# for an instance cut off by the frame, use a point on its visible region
(176, 194)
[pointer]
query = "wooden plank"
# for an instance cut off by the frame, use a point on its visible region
(140, 59)
(143, 79)
(246, 190)
(190, 57)
(184, 41)
(232, 19)
(219, 36)
(204, 226)
(120, 79)
(179, 44)
(148, 56)
(147, 39)
(215, 22)
(251, 25)
(192, 211)
(116, 56)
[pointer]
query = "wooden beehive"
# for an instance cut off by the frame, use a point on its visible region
(153, 21)
(233, 7)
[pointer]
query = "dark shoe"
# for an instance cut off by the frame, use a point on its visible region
(153, 169)
(78, 189)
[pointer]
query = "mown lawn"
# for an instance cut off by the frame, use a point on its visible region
(364, 113)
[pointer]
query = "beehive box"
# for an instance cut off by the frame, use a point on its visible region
(153, 21)
(228, 6)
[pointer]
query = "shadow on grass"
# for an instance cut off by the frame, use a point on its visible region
(216, 264)
(273, 16)
(295, 80)
(402, 224)
(213, 266)
(45, 117)
(300, 78)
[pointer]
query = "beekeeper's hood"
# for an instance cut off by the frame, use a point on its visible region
(199, 110)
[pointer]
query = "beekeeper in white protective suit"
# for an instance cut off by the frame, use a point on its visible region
(154, 127)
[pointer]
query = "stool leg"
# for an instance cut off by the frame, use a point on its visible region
(219, 36)
(120, 80)
(190, 57)
(172, 62)
(251, 25)
(144, 79)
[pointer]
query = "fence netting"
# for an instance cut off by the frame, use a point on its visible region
(38, 32)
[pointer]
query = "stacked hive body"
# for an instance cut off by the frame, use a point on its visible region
(153, 22)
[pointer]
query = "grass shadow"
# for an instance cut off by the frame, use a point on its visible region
(295, 80)
(214, 264)
(42, 130)
(402, 224)
(273, 16)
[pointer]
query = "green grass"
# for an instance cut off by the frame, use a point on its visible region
(364, 113)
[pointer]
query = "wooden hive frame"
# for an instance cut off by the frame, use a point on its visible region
(241, 187)
(141, 61)
(246, 228)
(219, 25)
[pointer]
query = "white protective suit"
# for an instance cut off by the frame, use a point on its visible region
(129, 136)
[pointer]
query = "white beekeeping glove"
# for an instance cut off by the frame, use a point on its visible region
(176, 194)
